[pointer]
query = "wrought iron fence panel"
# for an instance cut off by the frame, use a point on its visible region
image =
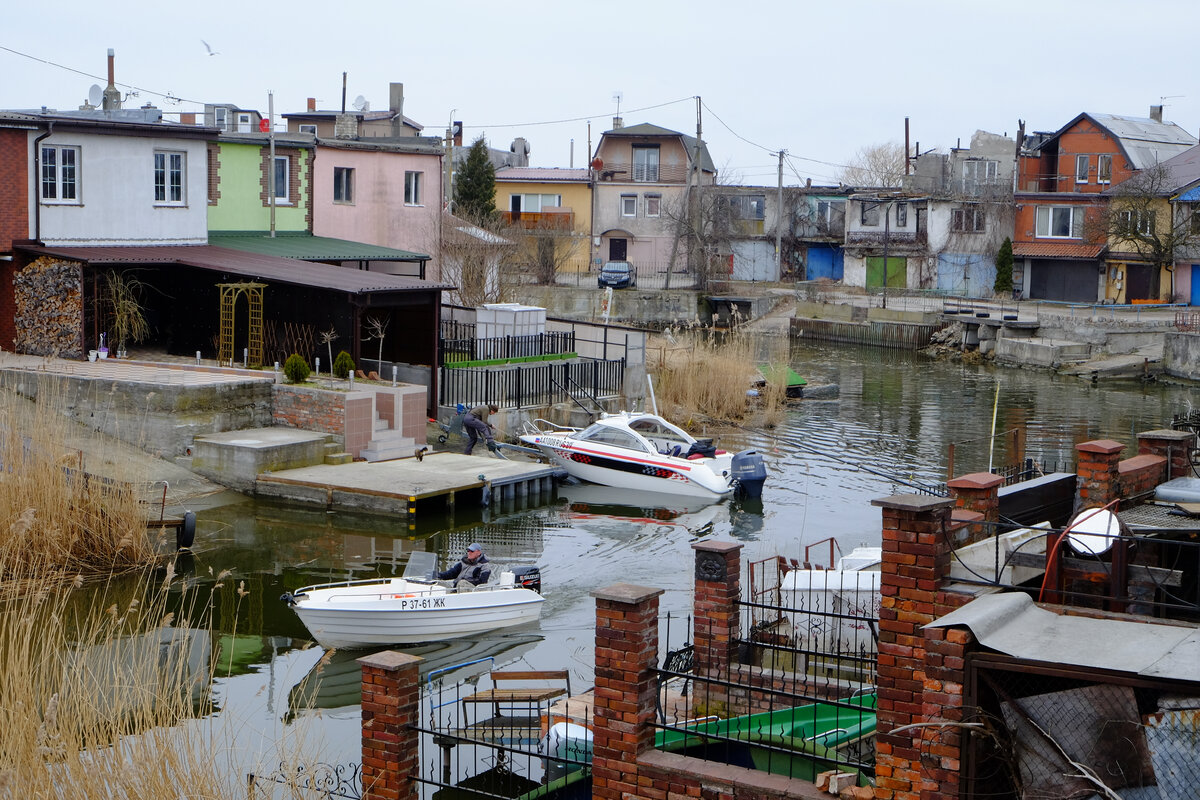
(531, 385)
(302, 781)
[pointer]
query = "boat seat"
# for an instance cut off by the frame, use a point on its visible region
(668, 450)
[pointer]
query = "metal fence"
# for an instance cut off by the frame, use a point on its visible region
(531, 385)
(506, 347)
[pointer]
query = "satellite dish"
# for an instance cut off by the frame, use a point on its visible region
(360, 103)
(1093, 531)
(95, 95)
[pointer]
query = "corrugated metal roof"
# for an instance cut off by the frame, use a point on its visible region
(310, 248)
(542, 174)
(1012, 624)
(247, 265)
(1056, 250)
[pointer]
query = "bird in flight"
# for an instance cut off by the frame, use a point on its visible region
(208, 47)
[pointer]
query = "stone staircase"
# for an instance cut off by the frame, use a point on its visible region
(388, 443)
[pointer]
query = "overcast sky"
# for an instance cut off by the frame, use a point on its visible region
(820, 80)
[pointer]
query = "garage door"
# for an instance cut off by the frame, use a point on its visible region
(824, 262)
(1069, 281)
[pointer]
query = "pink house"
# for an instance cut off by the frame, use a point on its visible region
(382, 191)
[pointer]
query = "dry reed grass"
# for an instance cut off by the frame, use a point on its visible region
(55, 518)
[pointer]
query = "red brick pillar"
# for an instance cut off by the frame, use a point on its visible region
(1174, 446)
(978, 492)
(626, 658)
(916, 559)
(1098, 477)
(716, 624)
(942, 701)
(391, 706)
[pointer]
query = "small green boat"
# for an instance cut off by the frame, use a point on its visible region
(774, 374)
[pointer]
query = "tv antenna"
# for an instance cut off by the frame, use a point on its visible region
(617, 98)
(360, 104)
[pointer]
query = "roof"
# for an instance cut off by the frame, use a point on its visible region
(1183, 169)
(1057, 250)
(300, 245)
(283, 138)
(1011, 623)
(1144, 141)
(102, 122)
(430, 145)
(366, 116)
(542, 174)
(646, 129)
(247, 265)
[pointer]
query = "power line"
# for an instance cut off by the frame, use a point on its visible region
(138, 89)
(735, 133)
(581, 119)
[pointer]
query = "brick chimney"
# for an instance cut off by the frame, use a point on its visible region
(312, 104)
(112, 96)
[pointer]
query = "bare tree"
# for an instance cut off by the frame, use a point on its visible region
(706, 224)
(545, 247)
(875, 165)
(377, 329)
(328, 338)
(473, 258)
(1140, 221)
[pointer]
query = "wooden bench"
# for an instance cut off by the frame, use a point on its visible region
(516, 713)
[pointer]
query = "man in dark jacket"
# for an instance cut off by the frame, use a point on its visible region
(477, 426)
(471, 571)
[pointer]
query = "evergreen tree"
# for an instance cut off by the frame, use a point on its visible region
(1004, 268)
(475, 186)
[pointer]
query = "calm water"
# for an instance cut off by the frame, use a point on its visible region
(895, 418)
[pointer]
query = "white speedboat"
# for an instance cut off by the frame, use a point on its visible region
(646, 453)
(368, 613)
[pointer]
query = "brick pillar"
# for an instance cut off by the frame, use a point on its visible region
(1174, 446)
(391, 706)
(626, 657)
(978, 492)
(1098, 479)
(916, 559)
(716, 622)
(942, 701)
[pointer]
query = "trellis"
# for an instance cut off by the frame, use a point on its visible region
(254, 297)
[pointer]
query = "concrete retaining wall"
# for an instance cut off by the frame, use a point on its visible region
(160, 419)
(628, 305)
(1039, 353)
(1181, 355)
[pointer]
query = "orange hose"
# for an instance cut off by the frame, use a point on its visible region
(1052, 551)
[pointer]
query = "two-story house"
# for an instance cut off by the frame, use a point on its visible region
(239, 182)
(970, 206)
(641, 178)
(817, 234)
(550, 209)
(1183, 185)
(886, 243)
(1060, 235)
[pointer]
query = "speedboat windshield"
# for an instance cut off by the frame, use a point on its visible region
(617, 437)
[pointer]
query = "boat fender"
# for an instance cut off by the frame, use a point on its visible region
(186, 533)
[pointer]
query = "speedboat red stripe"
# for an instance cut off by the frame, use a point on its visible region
(622, 457)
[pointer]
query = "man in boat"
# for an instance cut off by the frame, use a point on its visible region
(471, 571)
(477, 426)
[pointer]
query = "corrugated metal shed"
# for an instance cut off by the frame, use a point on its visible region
(311, 248)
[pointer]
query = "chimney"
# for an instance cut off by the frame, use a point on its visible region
(312, 104)
(112, 97)
(1156, 113)
(458, 134)
(396, 106)
(618, 123)
(187, 118)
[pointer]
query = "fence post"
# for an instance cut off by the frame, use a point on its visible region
(716, 620)
(391, 700)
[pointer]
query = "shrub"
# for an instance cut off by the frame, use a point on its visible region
(343, 365)
(1004, 268)
(296, 369)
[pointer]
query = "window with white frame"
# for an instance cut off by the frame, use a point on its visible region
(968, 219)
(60, 174)
(1059, 222)
(645, 162)
(343, 185)
(653, 205)
(533, 203)
(309, 129)
(168, 178)
(221, 118)
(977, 173)
(283, 174)
(870, 214)
(412, 188)
(901, 215)
(1104, 169)
(629, 205)
(831, 214)
(1136, 221)
(1081, 169)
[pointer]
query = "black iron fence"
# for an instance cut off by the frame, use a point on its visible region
(531, 385)
(506, 347)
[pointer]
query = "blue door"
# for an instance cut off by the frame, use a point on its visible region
(1195, 298)
(824, 262)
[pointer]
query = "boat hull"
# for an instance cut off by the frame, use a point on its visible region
(398, 612)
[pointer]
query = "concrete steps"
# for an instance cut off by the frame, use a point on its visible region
(338, 458)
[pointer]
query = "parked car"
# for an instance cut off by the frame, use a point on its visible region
(617, 274)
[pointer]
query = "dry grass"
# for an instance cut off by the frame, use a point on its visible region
(700, 375)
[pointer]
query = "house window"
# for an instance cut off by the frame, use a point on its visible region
(1059, 222)
(412, 188)
(870, 215)
(977, 173)
(1139, 222)
(645, 162)
(283, 170)
(60, 174)
(221, 118)
(343, 185)
(1081, 169)
(901, 215)
(1104, 169)
(831, 214)
(629, 205)
(168, 178)
(968, 219)
(533, 203)
(653, 205)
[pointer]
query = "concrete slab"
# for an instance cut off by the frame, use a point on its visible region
(236, 458)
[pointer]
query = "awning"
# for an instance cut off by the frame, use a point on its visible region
(1056, 250)
(307, 247)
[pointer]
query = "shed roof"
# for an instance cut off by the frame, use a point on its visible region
(1056, 250)
(542, 174)
(248, 265)
(305, 246)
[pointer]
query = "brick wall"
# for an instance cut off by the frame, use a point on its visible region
(1174, 446)
(310, 409)
(1140, 474)
(214, 173)
(14, 188)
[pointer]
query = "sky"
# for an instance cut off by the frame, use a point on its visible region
(818, 80)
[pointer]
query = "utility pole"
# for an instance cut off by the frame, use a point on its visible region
(887, 220)
(779, 217)
(271, 161)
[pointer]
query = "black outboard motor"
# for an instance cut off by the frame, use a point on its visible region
(749, 472)
(527, 578)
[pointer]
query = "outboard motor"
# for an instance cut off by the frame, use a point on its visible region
(749, 472)
(528, 578)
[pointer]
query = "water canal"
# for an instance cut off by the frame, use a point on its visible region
(896, 415)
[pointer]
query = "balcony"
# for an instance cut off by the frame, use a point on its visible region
(557, 219)
(625, 172)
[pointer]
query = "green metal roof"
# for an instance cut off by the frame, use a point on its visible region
(306, 247)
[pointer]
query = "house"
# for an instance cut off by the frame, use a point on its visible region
(1060, 234)
(229, 118)
(814, 249)
(887, 240)
(239, 181)
(548, 212)
(1184, 184)
(970, 205)
(359, 123)
(641, 178)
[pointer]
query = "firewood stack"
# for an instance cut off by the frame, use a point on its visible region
(49, 308)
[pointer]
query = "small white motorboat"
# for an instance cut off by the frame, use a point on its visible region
(644, 452)
(410, 610)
